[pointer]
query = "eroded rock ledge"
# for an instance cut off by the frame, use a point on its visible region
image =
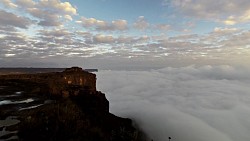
(69, 108)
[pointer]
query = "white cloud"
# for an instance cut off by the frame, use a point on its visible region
(9, 55)
(58, 6)
(189, 103)
(48, 12)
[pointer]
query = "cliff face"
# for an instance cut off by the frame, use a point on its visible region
(68, 108)
(59, 83)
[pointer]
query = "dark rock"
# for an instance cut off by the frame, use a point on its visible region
(71, 110)
(7, 136)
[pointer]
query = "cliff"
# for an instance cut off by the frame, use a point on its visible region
(67, 107)
(58, 83)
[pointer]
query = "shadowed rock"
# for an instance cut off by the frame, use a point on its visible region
(77, 112)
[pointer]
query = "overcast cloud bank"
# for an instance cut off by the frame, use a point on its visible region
(209, 103)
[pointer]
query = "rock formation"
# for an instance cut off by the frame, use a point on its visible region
(68, 109)
(59, 82)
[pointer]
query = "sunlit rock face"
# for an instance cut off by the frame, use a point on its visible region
(65, 106)
(59, 83)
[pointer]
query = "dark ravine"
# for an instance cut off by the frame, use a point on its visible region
(60, 106)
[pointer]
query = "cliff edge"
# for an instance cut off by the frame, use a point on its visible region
(64, 106)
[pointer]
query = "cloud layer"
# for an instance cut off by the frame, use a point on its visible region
(49, 31)
(229, 12)
(209, 103)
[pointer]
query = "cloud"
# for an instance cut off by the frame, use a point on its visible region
(103, 39)
(49, 23)
(218, 35)
(55, 33)
(14, 45)
(124, 39)
(26, 3)
(68, 17)
(120, 24)
(240, 41)
(49, 13)
(90, 22)
(143, 39)
(8, 4)
(46, 18)
(58, 6)
(7, 30)
(188, 103)
(153, 44)
(232, 20)
(9, 19)
(128, 40)
(141, 23)
(223, 31)
(221, 46)
(46, 44)
(229, 12)
(100, 25)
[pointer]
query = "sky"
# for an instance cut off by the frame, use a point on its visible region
(193, 56)
(124, 34)
(206, 103)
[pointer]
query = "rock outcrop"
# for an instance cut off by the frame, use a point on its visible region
(70, 109)
(59, 83)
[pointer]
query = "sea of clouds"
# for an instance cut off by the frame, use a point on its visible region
(209, 103)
